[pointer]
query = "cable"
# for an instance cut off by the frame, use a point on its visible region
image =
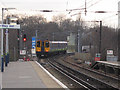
(87, 3)
(94, 3)
(81, 7)
(86, 7)
(109, 17)
(2, 3)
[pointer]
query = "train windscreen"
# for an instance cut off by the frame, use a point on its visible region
(47, 44)
(38, 43)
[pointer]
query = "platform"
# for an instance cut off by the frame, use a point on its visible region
(112, 67)
(111, 63)
(28, 75)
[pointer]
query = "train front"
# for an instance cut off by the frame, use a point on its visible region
(42, 48)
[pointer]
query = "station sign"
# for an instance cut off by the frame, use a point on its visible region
(33, 51)
(109, 52)
(97, 57)
(22, 52)
(33, 42)
(9, 26)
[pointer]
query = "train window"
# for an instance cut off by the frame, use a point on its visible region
(47, 44)
(42, 43)
(38, 43)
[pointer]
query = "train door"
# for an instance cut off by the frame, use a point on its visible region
(47, 45)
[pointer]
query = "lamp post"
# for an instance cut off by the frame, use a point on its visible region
(79, 42)
(2, 58)
(7, 46)
(2, 35)
(100, 34)
(36, 34)
(100, 37)
(53, 36)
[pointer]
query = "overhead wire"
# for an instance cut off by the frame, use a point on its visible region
(111, 18)
(79, 8)
(87, 6)
(94, 3)
(2, 5)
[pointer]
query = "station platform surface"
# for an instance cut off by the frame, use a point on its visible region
(28, 75)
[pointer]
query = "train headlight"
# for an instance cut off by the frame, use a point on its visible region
(38, 50)
(47, 50)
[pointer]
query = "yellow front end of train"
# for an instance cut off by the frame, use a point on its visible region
(46, 46)
(38, 46)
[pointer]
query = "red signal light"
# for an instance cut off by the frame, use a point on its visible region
(24, 39)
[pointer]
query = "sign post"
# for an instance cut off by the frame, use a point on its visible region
(2, 57)
(5, 26)
(2, 36)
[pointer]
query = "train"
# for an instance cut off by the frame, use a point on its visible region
(45, 48)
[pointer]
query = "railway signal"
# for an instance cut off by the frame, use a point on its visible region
(24, 38)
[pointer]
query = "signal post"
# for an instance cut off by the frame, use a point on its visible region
(24, 42)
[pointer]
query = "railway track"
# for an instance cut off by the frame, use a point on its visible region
(90, 78)
(85, 77)
(72, 76)
(96, 72)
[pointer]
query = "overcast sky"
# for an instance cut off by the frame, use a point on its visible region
(61, 5)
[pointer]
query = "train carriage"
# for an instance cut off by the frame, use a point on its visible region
(49, 48)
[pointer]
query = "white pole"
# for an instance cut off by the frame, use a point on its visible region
(53, 36)
(36, 34)
(78, 41)
(14, 54)
(6, 43)
(2, 58)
